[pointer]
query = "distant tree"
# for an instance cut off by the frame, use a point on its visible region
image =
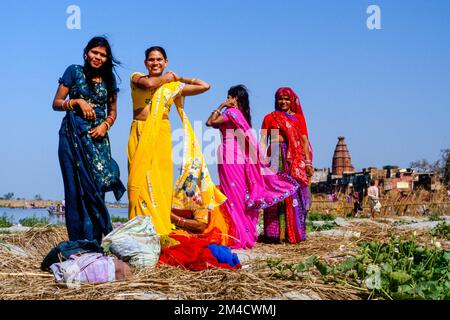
(8, 196)
(37, 197)
(424, 166)
(441, 166)
(446, 167)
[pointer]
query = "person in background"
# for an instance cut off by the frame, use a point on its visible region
(374, 198)
(354, 195)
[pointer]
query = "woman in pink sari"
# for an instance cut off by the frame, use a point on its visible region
(247, 181)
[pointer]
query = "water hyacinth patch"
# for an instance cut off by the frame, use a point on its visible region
(442, 230)
(395, 270)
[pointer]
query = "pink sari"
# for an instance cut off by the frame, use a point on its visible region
(247, 181)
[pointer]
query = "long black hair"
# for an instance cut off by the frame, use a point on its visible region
(241, 93)
(107, 70)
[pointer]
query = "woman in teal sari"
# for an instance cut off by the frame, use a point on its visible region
(84, 151)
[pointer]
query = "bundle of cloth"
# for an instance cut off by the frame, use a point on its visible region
(84, 261)
(135, 242)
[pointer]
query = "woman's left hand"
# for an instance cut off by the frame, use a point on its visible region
(99, 132)
(309, 171)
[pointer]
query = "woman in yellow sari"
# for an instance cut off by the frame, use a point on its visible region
(150, 145)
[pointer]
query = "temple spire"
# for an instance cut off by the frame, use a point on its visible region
(341, 159)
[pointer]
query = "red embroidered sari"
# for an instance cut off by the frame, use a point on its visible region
(288, 219)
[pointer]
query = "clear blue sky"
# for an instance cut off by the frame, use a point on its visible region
(387, 91)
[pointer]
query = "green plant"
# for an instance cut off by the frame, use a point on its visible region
(5, 221)
(435, 217)
(118, 219)
(442, 230)
(34, 222)
(314, 216)
(327, 225)
(395, 270)
(291, 271)
(403, 222)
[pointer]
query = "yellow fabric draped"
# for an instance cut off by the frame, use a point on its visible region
(150, 161)
(194, 190)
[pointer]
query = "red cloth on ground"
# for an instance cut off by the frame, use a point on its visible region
(191, 254)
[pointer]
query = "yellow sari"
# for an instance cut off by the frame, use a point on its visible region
(150, 189)
(150, 161)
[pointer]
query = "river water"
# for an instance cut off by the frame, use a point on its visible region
(16, 214)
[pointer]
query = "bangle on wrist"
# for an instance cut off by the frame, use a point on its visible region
(108, 126)
(111, 122)
(193, 80)
(180, 222)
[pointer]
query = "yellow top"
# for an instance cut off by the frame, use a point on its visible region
(142, 98)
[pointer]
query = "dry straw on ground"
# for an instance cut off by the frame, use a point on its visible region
(21, 277)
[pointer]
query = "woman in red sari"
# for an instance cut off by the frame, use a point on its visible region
(290, 151)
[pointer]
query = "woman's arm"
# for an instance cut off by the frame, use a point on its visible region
(188, 224)
(216, 119)
(61, 104)
(193, 86)
(309, 167)
(100, 131)
(60, 97)
(146, 82)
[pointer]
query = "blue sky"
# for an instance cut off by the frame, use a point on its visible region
(387, 91)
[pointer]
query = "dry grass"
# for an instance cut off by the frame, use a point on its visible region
(21, 278)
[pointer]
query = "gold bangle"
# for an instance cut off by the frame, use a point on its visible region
(70, 105)
(108, 126)
(193, 80)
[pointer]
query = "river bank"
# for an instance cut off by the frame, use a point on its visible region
(41, 204)
(14, 215)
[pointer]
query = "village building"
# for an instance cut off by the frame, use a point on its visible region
(343, 178)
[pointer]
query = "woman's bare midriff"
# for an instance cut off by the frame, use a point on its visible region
(140, 114)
